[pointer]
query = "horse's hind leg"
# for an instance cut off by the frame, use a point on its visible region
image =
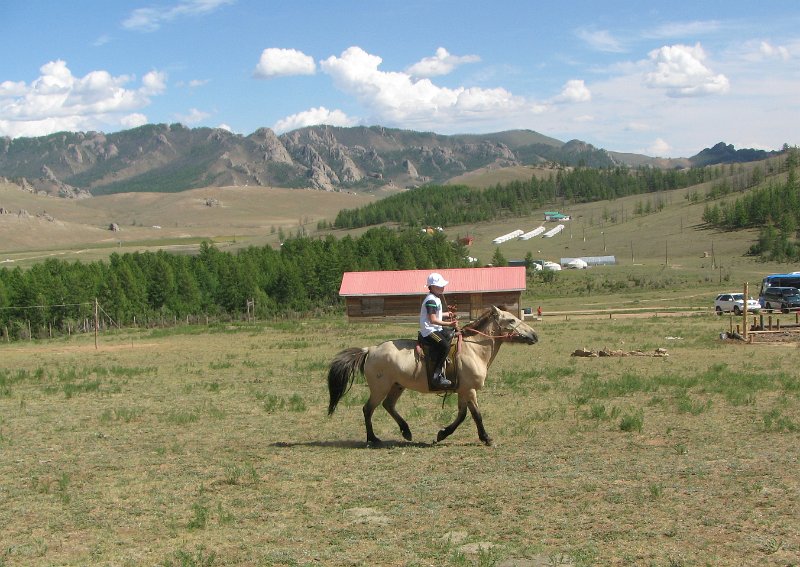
(369, 409)
(377, 393)
(462, 413)
(389, 406)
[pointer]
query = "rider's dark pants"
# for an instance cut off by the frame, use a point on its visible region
(438, 343)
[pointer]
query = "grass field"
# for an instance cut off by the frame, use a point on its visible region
(211, 446)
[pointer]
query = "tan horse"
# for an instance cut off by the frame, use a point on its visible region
(393, 366)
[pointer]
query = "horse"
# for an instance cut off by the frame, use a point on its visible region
(394, 366)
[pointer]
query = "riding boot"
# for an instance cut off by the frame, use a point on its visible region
(440, 380)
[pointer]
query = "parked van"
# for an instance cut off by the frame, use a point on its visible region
(783, 298)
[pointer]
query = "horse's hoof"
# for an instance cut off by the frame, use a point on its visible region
(407, 435)
(488, 442)
(374, 442)
(442, 435)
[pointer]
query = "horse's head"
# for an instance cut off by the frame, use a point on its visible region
(516, 329)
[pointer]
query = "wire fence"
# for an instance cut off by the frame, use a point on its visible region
(92, 317)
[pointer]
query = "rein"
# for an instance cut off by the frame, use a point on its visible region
(501, 337)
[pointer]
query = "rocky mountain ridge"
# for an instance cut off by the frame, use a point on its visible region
(171, 158)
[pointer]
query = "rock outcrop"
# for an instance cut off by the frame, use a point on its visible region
(172, 157)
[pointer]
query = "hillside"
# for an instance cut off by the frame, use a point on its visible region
(33, 227)
(172, 158)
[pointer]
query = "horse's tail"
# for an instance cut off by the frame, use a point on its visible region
(342, 373)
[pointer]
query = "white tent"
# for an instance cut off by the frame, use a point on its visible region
(532, 233)
(506, 237)
(552, 266)
(577, 264)
(553, 231)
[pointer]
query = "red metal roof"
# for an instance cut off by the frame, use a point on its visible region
(413, 282)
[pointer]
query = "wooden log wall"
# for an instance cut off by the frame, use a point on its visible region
(406, 307)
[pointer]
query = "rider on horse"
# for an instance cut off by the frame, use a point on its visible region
(432, 328)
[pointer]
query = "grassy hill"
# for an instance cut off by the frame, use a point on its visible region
(673, 242)
(239, 216)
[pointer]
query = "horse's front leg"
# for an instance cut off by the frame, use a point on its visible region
(462, 413)
(472, 404)
(389, 405)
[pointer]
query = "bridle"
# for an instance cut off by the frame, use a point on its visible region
(505, 336)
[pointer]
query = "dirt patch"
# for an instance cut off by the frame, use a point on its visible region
(786, 338)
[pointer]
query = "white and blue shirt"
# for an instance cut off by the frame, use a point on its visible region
(430, 304)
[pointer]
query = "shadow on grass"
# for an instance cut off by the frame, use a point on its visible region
(350, 444)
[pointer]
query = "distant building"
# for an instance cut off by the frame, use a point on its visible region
(555, 216)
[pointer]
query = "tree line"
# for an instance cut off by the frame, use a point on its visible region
(303, 275)
(436, 205)
(773, 209)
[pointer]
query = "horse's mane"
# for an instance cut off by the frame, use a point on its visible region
(480, 323)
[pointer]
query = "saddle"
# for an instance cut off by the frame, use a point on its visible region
(450, 370)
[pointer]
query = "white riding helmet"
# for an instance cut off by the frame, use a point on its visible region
(436, 279)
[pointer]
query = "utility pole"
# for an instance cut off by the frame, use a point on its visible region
(713, 257)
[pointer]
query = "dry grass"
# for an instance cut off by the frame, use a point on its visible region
(246, 215)
(211, 447)
(491, 176)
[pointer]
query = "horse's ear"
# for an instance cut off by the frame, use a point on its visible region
(495, 310)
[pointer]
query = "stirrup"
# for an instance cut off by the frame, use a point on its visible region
(440, 381)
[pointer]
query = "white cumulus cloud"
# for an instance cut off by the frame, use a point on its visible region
(133, 120)
(574, 90)
(193, 116)
(313, 117)
(681, 71)
(398, 98)
(154, 82)
(276, 62)
(659, 148)
(440, 64)
(57, 100)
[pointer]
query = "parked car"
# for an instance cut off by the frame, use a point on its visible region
(783, 298)
(726, 302)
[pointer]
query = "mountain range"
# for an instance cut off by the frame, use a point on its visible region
(172, 158)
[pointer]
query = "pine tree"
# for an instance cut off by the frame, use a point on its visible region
(498, 259)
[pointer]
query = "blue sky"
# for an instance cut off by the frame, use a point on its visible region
(664, 79)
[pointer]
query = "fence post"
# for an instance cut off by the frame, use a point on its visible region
(744, 308)
(96, 323)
